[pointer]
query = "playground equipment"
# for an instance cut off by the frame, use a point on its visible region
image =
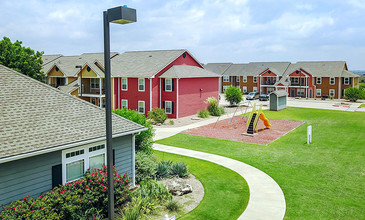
(254, 118)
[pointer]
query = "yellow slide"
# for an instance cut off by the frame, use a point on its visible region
(265, 120)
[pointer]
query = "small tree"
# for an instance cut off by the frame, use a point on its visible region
(213, 107)
(144, 139)
(157, 115)
(21, 59)
(233, 95)
(353, 94)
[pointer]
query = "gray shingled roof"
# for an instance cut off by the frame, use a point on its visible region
(346, 73)
(186, 71)
(70, 87)
(280, 92)
(143, 63)
(276, 67)
(49, 58)
(218, 68)
(35, 117)
(319, 68)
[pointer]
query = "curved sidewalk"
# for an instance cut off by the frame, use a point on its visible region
(266, 201)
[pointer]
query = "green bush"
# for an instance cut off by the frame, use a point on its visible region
(353, 94)
(171, 122)
(179, 169)
(163, 169)
(233, 95)
(152, 190)
(172, 205)
(157, 115)
(83, 199)
(145, 167)
(133, 211)
(362, 87)
(203, 113)
(144, 139)
(213, 107)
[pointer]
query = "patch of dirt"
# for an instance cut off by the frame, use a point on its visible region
(187, 202)
(232, 129)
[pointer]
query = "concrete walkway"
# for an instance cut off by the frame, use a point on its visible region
(266, 201)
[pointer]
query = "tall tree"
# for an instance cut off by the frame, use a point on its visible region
(21, 59)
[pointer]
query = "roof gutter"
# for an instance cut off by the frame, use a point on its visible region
(76, 144)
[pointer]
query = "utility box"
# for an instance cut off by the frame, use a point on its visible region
(278, 100)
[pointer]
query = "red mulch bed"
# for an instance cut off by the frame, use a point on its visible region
(232, 129)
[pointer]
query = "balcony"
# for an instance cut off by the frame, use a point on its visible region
(88, 91)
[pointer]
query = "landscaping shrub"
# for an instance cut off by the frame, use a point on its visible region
(171, 122)
(203, 113)
(353, 94)
(157, 115)
(172, 205)
(145, 167)
(153, 190)
(163, 169)
(213, 107)
(144, 139)
(233, 95)
(82, 199)
(179, 169)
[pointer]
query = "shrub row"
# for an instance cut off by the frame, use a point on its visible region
(83, 199)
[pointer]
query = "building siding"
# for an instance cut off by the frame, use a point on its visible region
(30, 176)
(33, 176)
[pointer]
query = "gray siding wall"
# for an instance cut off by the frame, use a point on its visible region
(30, 176)
(123, 154)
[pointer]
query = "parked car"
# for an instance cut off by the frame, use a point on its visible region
(253, 96)
(264, 97)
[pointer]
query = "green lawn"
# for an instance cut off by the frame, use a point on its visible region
(362, 105)
(223, 189)
(323, 180)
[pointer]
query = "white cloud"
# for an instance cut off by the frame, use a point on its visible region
(308, 7)
(357, 3)
(64, 15)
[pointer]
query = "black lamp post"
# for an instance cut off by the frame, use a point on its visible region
(80, 78)
(119, 15)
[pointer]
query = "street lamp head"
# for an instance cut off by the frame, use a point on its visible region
(78, 67)
(122, 15)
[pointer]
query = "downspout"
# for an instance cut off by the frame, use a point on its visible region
(150, 94)
(133, 161)
(339, 87)
(100, 85)
(160, 92)
(177, 98)
(118, 92)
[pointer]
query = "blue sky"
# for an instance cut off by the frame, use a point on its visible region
(237, 31)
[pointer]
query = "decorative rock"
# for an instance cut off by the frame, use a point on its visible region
(177, 186)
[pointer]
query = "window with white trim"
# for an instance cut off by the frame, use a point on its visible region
(141, 84)
(237, 78)
(332, 80)
(254, 89)
(346, 81)
(77, 160)
(244, 89)
(318, 92)
(141, 107)
(300, 92)
(168, 85)
(224, 88)
(244, 79)
(94, 83)
(124, 84)
(332, 93)
(168, 107)
(225, 78)
(319, 80)
(254, 79)
(124, 103)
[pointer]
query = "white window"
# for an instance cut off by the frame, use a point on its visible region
(332, 93)
(332, 80)
(254, 89)
(254, 79)
(224, 88)
(318, 92)
(319, 80)
(168, 85)
(244, 89)
(237, 78)
(300, 92)
(124, 103)
(168, 107)
(124, 84)
(141, 107)
(141, 84)
(225, 78)
(77, 160)
(346, 81)
(294, 80)
(94, 82)
(245, 79)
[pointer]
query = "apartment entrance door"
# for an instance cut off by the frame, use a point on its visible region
(292, 92)
(310, 93)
